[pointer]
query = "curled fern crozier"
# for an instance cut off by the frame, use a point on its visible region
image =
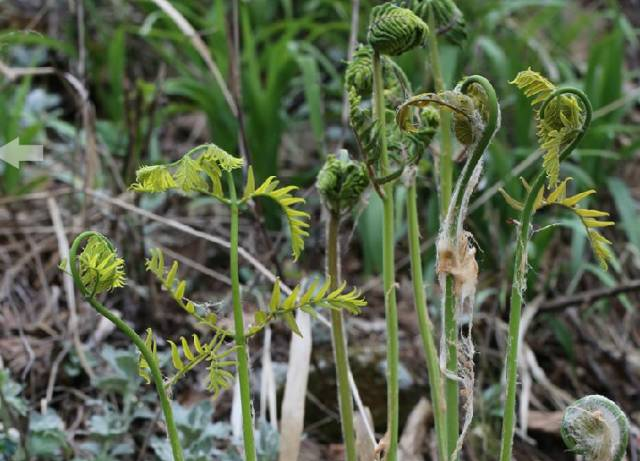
(100, 268)
(596, 428)
(394, 30)
(447, 17)
(559, 119)
(341, 182)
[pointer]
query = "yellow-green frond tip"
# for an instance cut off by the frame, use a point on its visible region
(100, 268)
(153, 178)
(558, 126)
(297, 220)
(225, 160)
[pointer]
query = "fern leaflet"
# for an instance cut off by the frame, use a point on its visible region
(296, 219)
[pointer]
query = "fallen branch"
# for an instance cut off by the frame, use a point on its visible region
(587, 297)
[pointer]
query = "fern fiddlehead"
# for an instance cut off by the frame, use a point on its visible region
(394, 30)
(596, 428)
(553, 103)
(97, 269)
(443, 17)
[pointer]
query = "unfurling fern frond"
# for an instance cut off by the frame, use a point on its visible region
(394, 30)
(341, 182)
(467, 113)
(558, 126)
(359, 72)
(308, 300)
(447, 17)
(222, 158)
(296, 219)
(534, 86)
(186, 356)
(100, 268)
(589, 218)
(143, 365)
(359, 86)
(189, 174)
(365, 127)
(177, 287)
(359, 77)
(213, 162)
(596, 428)
(153, 178)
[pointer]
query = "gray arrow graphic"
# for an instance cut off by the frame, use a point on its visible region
(13, 153)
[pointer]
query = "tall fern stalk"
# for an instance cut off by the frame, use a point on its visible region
(238, 319)
(520, 275)
(424, 322)
(455, 216)
(388, 268)
(339, 338)
(89, 294)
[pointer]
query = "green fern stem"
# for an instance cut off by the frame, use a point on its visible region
(446, 143)
(156, 374)
(240, 339)
(424, 322)
(453, 221)
(339, 337)
(520, 269)
(451, 385)
(388, 269)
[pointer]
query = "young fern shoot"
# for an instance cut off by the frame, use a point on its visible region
(406, 149)
(595, 428)
(98, 269)
(476, 117)
(392, 31)
(340, 182)
(563, 116)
